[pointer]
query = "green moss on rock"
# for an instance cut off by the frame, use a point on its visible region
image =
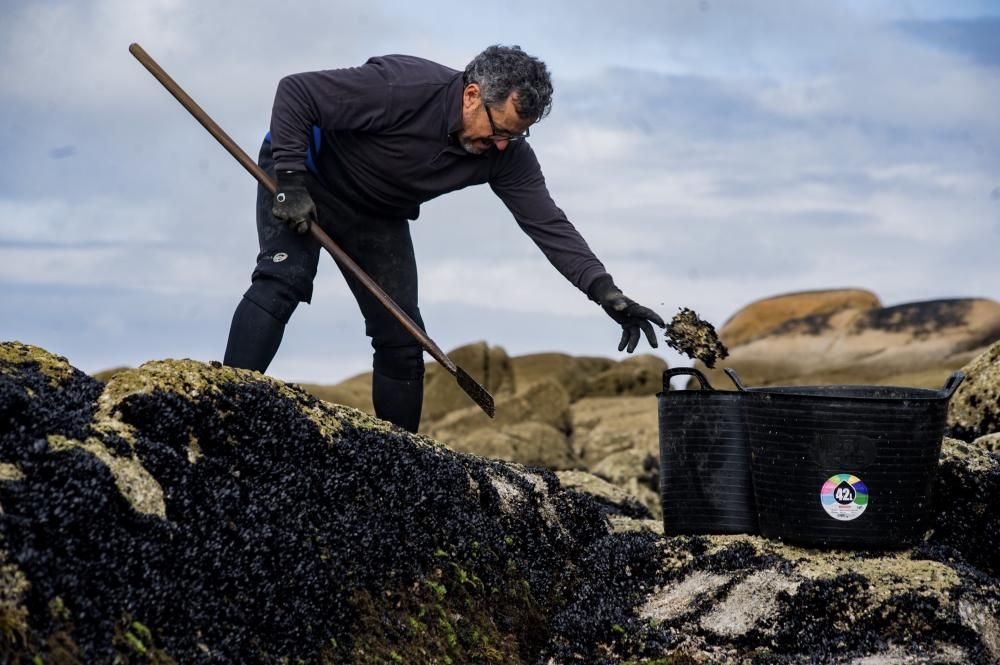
(56, 368)
(13, 613)
(450, 616)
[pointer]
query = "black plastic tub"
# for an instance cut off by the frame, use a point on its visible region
(844, 465)
(704, 460)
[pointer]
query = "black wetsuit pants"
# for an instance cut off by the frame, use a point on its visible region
(283, 278)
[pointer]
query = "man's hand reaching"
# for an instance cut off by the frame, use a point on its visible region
(632, 316)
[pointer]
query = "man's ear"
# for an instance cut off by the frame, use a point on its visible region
(470, 96)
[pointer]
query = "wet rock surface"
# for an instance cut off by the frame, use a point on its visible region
(192, 513)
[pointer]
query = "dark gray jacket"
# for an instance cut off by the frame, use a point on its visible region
(388, 145)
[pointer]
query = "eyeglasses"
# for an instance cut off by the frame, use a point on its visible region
(498, 136)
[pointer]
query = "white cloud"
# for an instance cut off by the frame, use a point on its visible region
(711, 153)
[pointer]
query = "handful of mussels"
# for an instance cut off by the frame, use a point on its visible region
(695, 337)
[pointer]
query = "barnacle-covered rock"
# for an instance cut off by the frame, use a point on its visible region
(974, 410)
(615, 500)
(966, 524)
(744, 599)
(200, 513)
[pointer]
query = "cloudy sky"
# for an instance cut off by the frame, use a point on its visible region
(711, 152)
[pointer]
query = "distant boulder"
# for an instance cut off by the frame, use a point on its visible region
(636, 472)
(606, 425)
(916, 344)
(571, 372)
(545, 402)
(584, 376)
(490, 366)
(762, 317)
(634, 376)
(530, 443)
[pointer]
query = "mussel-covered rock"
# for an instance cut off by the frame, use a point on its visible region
(974, 410)
(187, 512)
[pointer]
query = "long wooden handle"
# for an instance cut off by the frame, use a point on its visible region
(270, 185)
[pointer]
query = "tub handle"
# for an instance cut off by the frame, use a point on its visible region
(731, 373)
(952, 384)
(685, 371)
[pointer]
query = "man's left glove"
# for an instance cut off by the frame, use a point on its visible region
(629, 314)
(292, 202)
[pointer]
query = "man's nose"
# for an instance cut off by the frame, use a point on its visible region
(501, 144)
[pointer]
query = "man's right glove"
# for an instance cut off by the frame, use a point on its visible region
(292, 202)
(629, 314)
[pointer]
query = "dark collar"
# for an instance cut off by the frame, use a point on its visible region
(453, 105)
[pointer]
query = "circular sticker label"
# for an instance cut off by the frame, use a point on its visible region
(844, 497)
(279, 257)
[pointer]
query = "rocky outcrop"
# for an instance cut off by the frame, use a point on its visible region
(592, 377)
(635, 376)
(637, 472)
(187, 512)
(966, 524)
(763, 317)
(990, 442)
(618, 439)
(571, 372)
(974, 410)
(916, 344)
(606, 425)
(490, 366)
(545, 402)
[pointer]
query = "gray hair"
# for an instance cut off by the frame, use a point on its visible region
(502, 70)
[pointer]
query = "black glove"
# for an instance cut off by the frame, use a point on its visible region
(292, 202)
(629, 314)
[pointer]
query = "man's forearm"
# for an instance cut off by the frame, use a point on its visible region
(567, 251)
